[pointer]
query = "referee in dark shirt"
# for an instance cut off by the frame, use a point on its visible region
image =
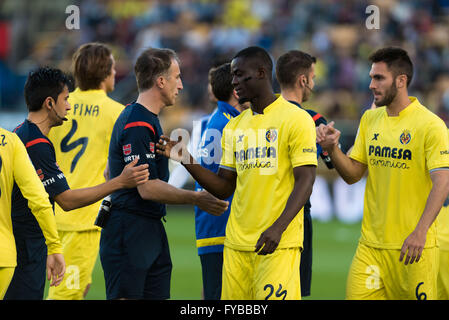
(295, 72)
(134, 249)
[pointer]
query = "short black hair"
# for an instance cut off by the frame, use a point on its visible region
(397, 60)
(259, 54)
(221, 82)
(292, 64)
(42, 83)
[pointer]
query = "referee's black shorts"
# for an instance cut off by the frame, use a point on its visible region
(28, 282)
(135, 257)
(305, 268)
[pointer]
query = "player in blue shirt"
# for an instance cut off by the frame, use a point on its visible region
(295, 72)
(134, 250)
(210, 230)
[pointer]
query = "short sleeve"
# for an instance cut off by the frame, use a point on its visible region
(140, 141)
(43, 157)
(302, 140)
(437, 146)
(227, 146)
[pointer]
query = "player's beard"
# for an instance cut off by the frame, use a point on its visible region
(306, 95)
(389, 96)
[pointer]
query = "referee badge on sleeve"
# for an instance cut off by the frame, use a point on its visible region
(127, 149)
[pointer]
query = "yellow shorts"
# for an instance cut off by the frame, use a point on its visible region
(249, 276)
(377, 274)
(443, 276)
(6, 274)
(80, 253)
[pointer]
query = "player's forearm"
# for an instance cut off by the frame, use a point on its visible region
(78, 198)
(212, 182)
(298, 197)
(350, 171)
(162, 192)
(438, 194)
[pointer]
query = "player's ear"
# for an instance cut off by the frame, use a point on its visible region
(301, 81)
(261, 73)
(401, 81)
(160, 82)
(48, 103)
(235, 95)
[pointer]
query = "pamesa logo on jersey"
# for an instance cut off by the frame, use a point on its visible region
(405, 137)
(255, 149)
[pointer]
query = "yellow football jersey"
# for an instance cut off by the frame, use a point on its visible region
(443, 226)
(400, 152)
(16, 166)
(263, 149)
(82, 145)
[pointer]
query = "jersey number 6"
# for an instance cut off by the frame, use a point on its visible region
(66, 146)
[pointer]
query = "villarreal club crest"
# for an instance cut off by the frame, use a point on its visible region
(405, 137)
(271, 135)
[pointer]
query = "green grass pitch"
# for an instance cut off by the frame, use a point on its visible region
(334, 245)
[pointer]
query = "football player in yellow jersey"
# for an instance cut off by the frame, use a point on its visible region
(81, 145)
(405, 149)
(46, 94)
(269, 160)
(443, 242)
(16, 167)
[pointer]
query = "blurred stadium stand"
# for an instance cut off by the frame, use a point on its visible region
(205, 32)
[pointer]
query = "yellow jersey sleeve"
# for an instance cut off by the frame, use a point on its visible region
(227, 146)
(437, 145)
(33, 190)
(7, 243)
(443, 224)
(302, 139)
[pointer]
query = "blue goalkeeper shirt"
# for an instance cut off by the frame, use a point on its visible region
(209, 229)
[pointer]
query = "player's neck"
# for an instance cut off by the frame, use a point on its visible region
(151, 101)
(42, 120)
(259, 103)
(292, 95)
(235, 104)
(400, 102)
(102, 86)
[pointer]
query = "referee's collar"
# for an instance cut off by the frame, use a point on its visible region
(295, 103)
(291, 101)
